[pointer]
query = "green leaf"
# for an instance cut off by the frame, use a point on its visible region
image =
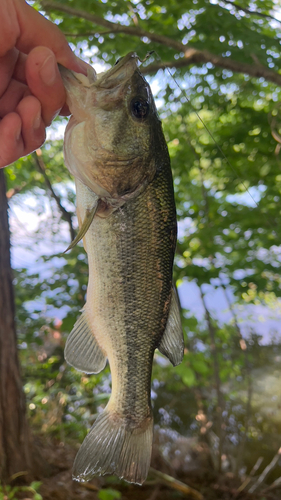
(200, 366)
(187, 375)
(37, 496)
(109, 494)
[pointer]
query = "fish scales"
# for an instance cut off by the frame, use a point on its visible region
(131, 307)
(135, 293)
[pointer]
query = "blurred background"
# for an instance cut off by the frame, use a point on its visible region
(215, 75)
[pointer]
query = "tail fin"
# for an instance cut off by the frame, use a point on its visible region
(114, 446)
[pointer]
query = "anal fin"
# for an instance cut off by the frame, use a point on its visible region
(172, 344)
(82, 350)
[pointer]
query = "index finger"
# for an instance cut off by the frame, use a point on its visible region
(26, 29)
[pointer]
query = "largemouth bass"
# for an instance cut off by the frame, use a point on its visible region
(115, 148)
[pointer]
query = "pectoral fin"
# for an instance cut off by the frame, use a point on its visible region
(82, 350)
(172, 344)
(90, 214)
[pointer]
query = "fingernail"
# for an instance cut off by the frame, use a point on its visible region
(82, 65)
(37, 121)
(48, 71)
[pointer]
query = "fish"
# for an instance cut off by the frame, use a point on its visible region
(115, 148)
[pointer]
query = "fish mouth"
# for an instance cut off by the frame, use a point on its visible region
(71, 78)
(120, 73)
(106, 89)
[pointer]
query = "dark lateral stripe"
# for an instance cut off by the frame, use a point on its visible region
(145, 253)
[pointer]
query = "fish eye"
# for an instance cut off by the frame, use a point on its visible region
(139, 108)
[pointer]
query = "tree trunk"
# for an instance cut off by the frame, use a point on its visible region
(15, 451)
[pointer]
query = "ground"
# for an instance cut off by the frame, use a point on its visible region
(57, 483)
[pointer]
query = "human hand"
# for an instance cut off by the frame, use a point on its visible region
(31, 90)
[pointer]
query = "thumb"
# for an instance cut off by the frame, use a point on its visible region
(44, 81)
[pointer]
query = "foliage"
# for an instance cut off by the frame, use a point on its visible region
(8, 492)
(220, 115)
(109, 494)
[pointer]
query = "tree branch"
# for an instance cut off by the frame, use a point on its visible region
(251, 12)
(90, 33)
(191, 55)
(177, 485)
(244, 348)
(114, 27)
(251, 474)
(220, 400)
(65, 214)
(266, 471)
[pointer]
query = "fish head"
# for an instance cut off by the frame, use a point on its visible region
(112, 139)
